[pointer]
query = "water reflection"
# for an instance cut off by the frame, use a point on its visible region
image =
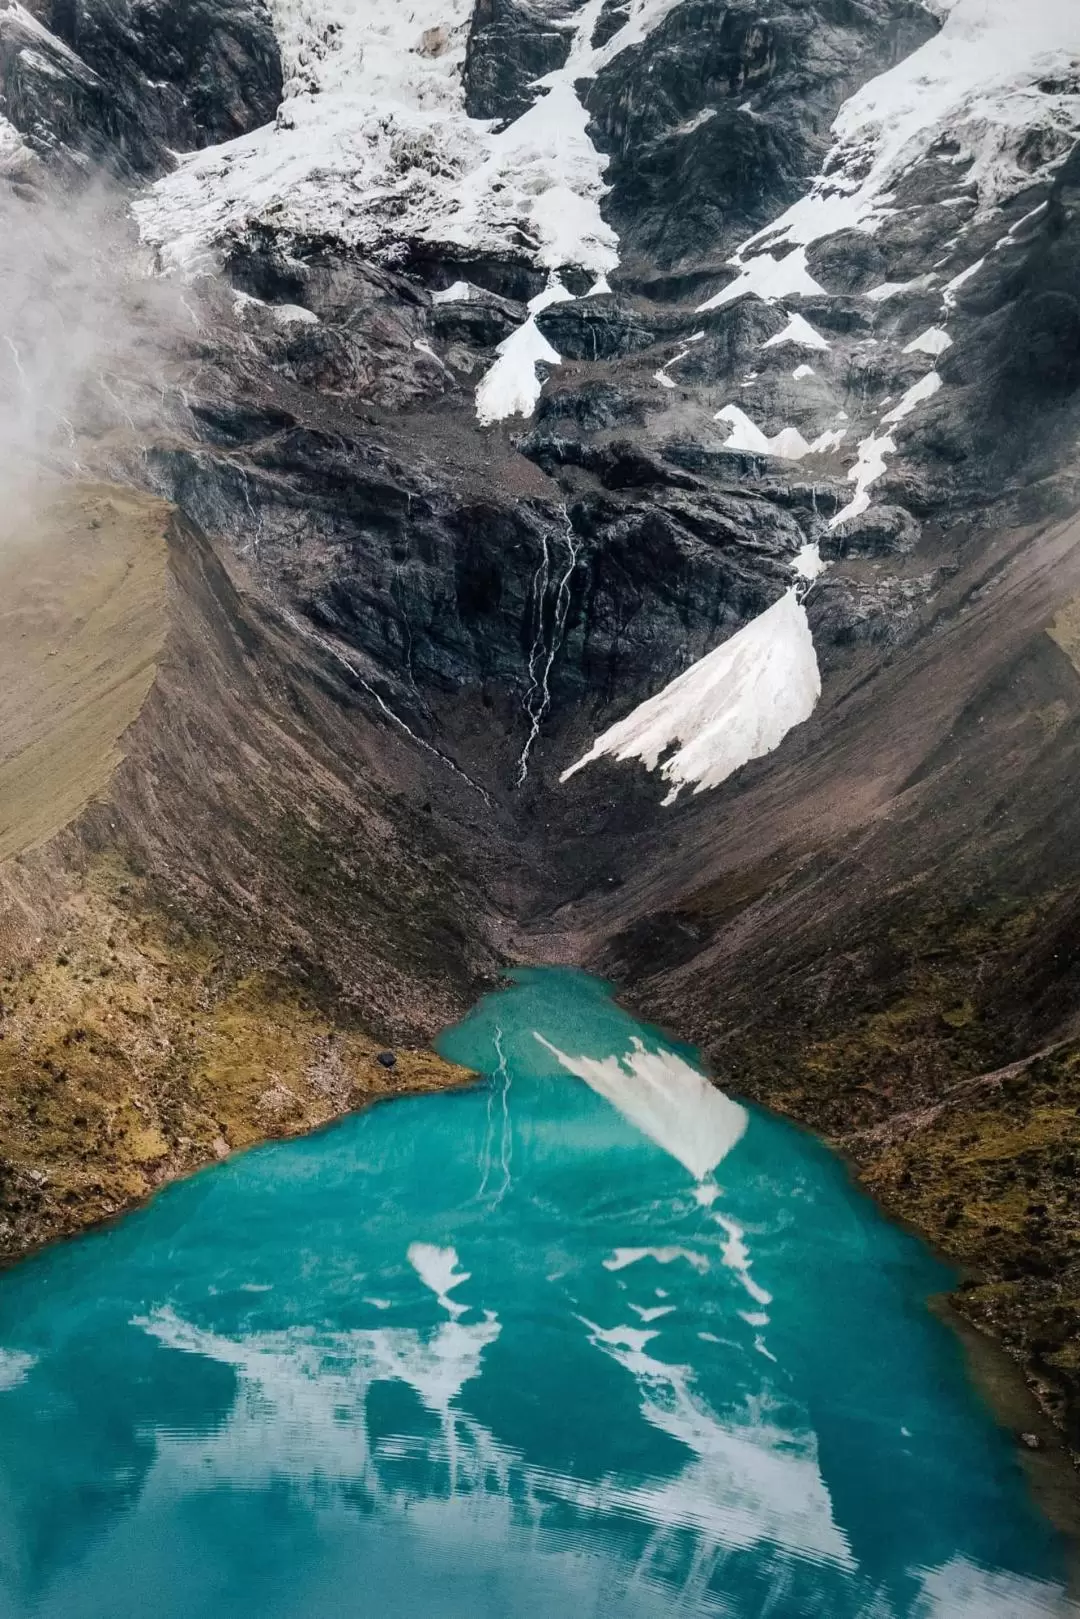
(371, 1374)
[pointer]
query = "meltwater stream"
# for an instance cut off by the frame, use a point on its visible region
(589, 1339)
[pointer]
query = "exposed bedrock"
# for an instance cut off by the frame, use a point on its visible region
(715, 122)
(118, 87)
(511, 45)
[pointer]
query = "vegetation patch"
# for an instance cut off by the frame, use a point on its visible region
(133, 1050)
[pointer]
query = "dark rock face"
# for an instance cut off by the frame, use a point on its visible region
(115, 85)
(511, 44)
(715, 122)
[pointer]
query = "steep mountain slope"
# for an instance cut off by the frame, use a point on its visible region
(625, 457)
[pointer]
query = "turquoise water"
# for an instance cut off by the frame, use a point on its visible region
(586, 1340)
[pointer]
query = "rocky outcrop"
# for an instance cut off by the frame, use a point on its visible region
(511, 45)
(109, 86)
(717, 120)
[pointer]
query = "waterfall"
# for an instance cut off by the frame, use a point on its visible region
(544, 650)
(500, 1086)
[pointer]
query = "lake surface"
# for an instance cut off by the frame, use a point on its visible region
(589, 1339)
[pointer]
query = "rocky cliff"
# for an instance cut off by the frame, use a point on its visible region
(682, 390)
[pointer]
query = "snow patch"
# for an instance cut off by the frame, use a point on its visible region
(917, 395)
(767, 278)
(294, 315)
(511, 387)
(830, 440)
(788, 444)
(934, 341)
(736, 704)
(800, 332)
(978, 81)
(807, 563)
(372, 145)
(866, 471)
(460, 292)
(952, 287)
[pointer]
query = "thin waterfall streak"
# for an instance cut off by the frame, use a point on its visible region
(538, 596)
(542, 657)
(506, 1143)
(16, 356)
(117, 401)
(489, 1141)
(332, 651)
(256, 521)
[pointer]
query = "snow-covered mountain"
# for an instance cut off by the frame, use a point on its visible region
(521, 355)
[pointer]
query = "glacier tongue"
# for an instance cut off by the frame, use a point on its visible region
(373, 145)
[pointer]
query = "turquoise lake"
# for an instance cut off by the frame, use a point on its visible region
(587, 1339)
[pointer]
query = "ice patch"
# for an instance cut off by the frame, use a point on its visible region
(653, 1314)
(802, 371)
(735, 704)
(666, 1099)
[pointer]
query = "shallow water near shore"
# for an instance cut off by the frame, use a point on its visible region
(587, 1339)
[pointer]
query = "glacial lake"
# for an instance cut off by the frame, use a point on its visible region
(588, 1340)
